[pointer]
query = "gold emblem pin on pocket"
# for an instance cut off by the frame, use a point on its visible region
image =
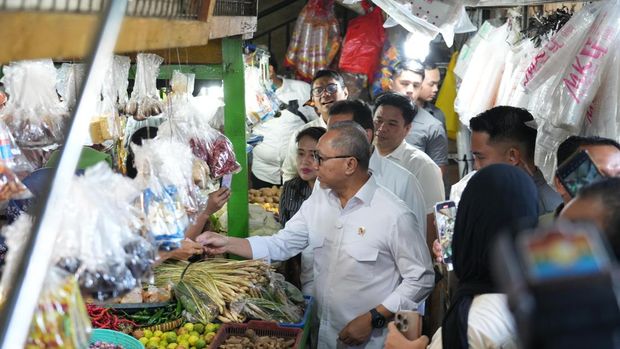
(361, 231)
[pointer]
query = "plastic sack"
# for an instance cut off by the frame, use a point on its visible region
(315, 40)
(60, 320)
(15, 236)
(426, 17)
(99, 238)
(362, 44)
(261, 102)
(33, 113)
(145, 101)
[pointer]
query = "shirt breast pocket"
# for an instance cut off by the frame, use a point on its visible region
(362, 263)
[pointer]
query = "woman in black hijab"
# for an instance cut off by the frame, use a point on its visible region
(497, 197)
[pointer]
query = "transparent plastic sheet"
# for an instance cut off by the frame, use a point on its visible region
(467, 51)
(33, 113)
(315, 40)
(99, 238)
(481, 81)
(564, 45)
(145, 101)
(426, 17)
(603, 115)
(103, 123)
(60, 320)
(182, 83)
(121, 80)
(70, 77)
(13, 164)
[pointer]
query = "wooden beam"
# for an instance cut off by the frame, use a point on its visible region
(228, 26)
(206, 54)
(32, 35)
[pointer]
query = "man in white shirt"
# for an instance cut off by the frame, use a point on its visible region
(268, 156)
(426, 133)
(393, 116)
(327, 87)
(370, 262)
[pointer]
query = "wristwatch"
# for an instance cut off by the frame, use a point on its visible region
(378, 320)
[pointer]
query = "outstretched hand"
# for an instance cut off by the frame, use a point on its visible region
(213, 243)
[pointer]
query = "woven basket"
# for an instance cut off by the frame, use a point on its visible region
(115, 337)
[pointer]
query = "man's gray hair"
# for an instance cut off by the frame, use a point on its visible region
(352, 140)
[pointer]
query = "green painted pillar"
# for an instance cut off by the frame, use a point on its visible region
(234, 127)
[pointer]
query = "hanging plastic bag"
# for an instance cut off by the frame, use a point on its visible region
(70, 78)
(145, 101)
(426, 17)
(389, 58)
(15, 236)
(60, 319)
(13, 164)
(315, 40)
(261, 103)
(33, 113)
(363, 44)
(121, 81)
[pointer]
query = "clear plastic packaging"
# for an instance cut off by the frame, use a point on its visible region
(70, 78)
(315, 41)
(165, 179)
(15, 236)
(426, 17)
(121, 80)
(33, 113)
(99, 238)
(60, 320)
(13, 164)
(145, 101)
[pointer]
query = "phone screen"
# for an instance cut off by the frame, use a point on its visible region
(226, 181)
(577, 172)
(445, 216)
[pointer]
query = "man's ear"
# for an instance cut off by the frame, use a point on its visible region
(346, 92)
(351, 166)
(514, 156)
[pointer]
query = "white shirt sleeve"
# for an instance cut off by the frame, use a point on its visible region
(289, 166)
(414, 264)
(288, 242)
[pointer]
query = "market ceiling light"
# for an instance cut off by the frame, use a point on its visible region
(417, 46)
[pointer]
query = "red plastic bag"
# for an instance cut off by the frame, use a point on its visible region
(363, 44)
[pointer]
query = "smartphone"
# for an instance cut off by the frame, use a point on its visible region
(226, 181)
(445, 216)
(578, 171)
(409, 323)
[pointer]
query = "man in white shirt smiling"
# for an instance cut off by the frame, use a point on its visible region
(327, 88)
(370, 262)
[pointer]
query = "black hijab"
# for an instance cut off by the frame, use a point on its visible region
(497, 197)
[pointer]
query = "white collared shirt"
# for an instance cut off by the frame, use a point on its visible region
(367, 253)
(424, 169)
(269, 155)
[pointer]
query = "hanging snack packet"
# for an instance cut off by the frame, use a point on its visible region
(12, 163)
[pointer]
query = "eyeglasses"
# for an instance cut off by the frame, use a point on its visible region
(320, 159)
(329, 88)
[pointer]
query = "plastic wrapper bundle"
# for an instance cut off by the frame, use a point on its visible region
(33, 113)
(100, 238)
(580, 52)
(315, 40)
(145, 101)
(164, 177)
(103, 123)
(187, 125)
(278, 302)
(260, 100)
(389, 58)
(121, 80)
(13, 164)
(198, 306)
(426, 17)
(482, 78)
(363, 44)
(61, 319)
(70, 78)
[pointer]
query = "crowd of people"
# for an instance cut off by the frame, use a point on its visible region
(360, 183)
